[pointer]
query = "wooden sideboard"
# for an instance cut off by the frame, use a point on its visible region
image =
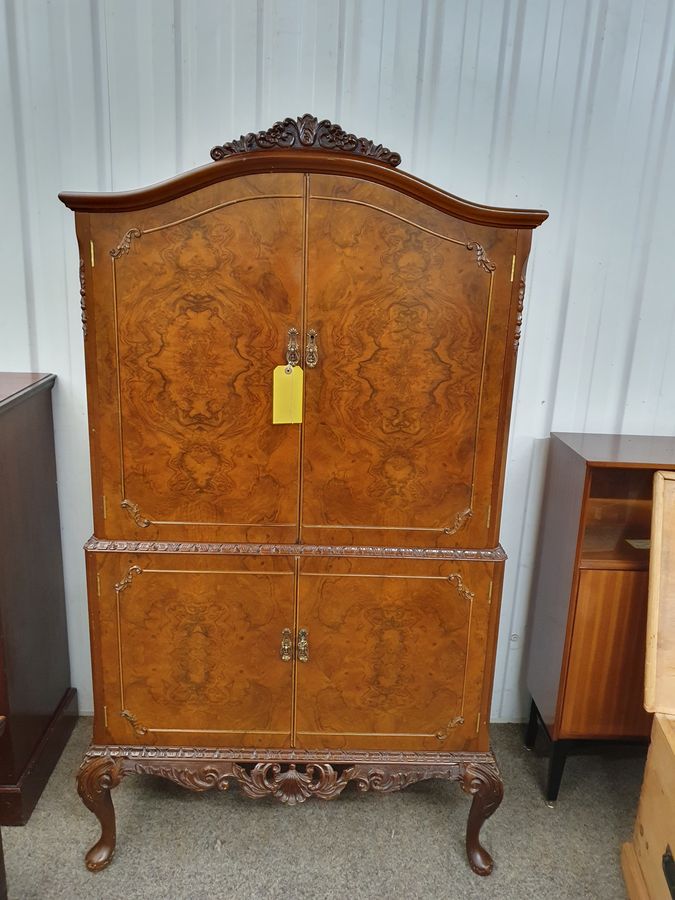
(35, 694)
(586, 655)
(297, 605)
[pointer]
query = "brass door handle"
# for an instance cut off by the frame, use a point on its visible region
(292, 348)
(303, 645)
(311, 350)
(286, 649)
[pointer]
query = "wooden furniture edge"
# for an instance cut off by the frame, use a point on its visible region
(654, 591)
(18, 800)
(43, 382)
(572, 608)
(632, 874)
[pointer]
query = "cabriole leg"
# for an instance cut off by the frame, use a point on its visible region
(97, 776)
(484, 782)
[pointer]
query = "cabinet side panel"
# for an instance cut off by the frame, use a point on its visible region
(563, 499)
(32, 605)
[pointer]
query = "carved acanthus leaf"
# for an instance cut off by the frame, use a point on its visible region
(135, 513)
(482, 776)
(83, 300)
(125, 243)
(200, 779)
(460, 521)
(97, 775)
(306, 132)
(387, 779)
(290, 785)
(124, 584)
(519, 313)
(462, 589)
(481, 256)
(130, 717)
(453, 723)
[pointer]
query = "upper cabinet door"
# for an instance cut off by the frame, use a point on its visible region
(192, 305)
(405, 408)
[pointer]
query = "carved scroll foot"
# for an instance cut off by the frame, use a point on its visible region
(483, 781)
(96, 778)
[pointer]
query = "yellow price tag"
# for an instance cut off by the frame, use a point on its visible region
(287, 395)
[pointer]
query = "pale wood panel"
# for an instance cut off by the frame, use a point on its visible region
(605, 675)
(655, 822)
(660, 661)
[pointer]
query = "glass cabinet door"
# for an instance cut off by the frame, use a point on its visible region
(617, 520)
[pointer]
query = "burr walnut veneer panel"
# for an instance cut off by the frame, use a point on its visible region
(192, 309)
(190, 649)
(411, 309)
(396, 660)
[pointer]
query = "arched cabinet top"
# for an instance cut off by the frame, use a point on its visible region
(303, 145)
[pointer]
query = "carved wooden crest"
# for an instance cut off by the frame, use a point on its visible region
(306, 132)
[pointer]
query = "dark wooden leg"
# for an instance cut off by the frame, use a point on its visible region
(97, 776)
(532, 727)
(556, 765)
(483, 781)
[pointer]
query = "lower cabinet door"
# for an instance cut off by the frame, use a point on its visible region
(187, 649)
(391, 655)
(604, 690)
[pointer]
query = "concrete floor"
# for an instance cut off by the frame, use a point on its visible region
(173, 844)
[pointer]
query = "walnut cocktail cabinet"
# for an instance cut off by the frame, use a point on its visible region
(295, 587)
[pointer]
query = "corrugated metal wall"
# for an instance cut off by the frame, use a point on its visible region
(567, 106)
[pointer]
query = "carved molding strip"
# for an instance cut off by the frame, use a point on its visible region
(519, 313)
(495, 554)
(135, 513)
(306, 132)
(83, 300)
(481, 256)
(125, 244)
(169, 755)
(194, 779)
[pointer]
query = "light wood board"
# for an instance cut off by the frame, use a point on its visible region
(660, 656)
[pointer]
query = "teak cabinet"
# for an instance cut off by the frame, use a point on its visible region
(296, 606)
(586, 662)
